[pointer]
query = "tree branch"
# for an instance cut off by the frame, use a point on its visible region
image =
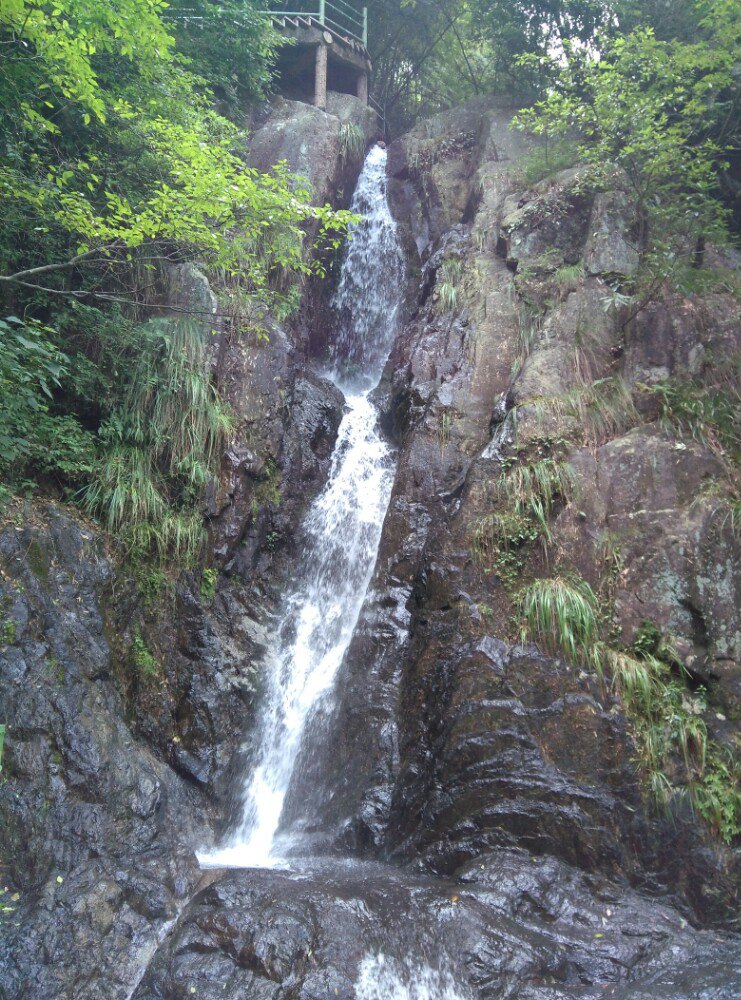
(31, 272)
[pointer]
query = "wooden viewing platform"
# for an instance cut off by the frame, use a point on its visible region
(329, 50)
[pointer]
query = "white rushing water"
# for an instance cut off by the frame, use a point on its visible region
(341, 532)
(370, 291)
(384, 978)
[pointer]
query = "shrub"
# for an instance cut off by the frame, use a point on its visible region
(31, 367)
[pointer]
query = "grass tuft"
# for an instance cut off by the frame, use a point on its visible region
(562, 616)
(352, 141)
(157, 461)
(534, 489)
(602, 410)
(449, 277)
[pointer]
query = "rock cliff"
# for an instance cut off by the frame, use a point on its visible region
(468, 742)
(499, 782)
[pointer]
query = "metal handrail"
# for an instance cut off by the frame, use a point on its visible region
(341, 20)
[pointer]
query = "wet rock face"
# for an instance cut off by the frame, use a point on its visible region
(287, 420)
(453, 742)
(86, 808)
(510, 926)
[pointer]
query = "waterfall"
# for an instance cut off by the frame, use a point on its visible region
(383, 978)
(341, 532)
(370, 289)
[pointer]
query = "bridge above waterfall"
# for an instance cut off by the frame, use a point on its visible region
(327, 50)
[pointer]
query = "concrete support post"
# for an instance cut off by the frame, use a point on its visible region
(363, 87)
(320, 79)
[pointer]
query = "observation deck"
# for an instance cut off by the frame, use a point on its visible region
(328, 51)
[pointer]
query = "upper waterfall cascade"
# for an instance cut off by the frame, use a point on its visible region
(340, 535)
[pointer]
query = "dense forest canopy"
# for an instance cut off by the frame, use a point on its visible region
(122, 150)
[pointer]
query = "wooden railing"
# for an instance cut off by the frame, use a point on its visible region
(339, 16)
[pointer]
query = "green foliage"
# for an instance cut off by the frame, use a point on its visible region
(31, 367)
(562, 615)
(717, 797)
(535, 488)
(569, 274)
(435, 54)
(498, 540)
(230, 44)
(151, 585)
(141, 656)
(447, 289)
(650, 642)
(352, 141)
(644, 105)
(2, 744)
(115, 161)
(7, 632)
(143, 159)
(154, 462)
(527, 496)
(692, 280)
(667, 720)
(546, 160)
(113, 148)
(709, 415)
(666, 715)
(209, 583)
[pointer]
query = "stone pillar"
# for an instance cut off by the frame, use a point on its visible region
(320, 80)
(363, 87)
